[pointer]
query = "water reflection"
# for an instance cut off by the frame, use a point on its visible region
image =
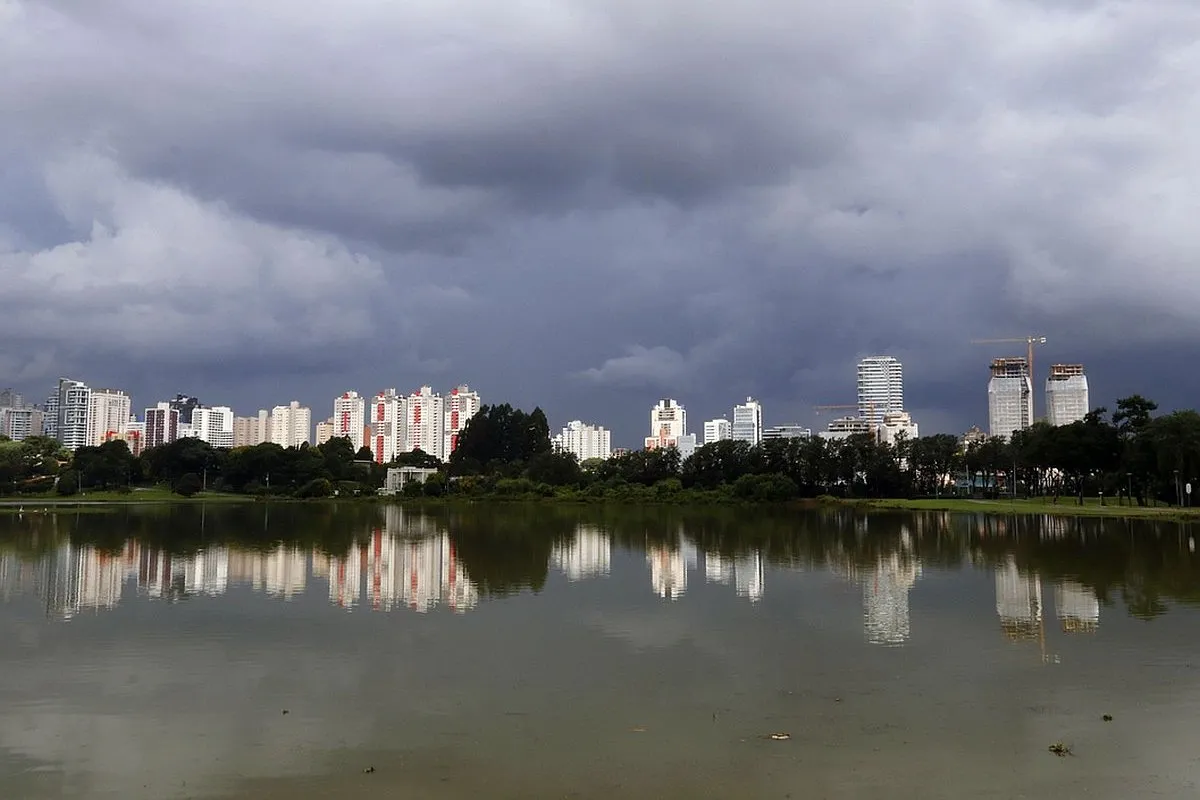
(386, 558)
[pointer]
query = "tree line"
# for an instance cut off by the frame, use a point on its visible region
(507, 453)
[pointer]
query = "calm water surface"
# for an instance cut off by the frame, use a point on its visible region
(280, 652)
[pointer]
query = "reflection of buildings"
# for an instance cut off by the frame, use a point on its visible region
(1018, 602)
(417, 573)
(669, 568)
(169, 576)
(1077, 606)
(885, 599)
(744, 572)
(396, 571)
(588, 555)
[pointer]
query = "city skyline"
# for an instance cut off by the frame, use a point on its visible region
(879, 389)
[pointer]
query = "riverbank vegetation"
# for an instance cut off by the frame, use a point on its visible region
(1132, 457)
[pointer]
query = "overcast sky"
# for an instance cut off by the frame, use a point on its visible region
(589, 204)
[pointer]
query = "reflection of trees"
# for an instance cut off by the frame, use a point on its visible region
(508, 548)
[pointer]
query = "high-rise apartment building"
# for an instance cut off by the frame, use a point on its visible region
(387, 426)
(1066, 394)
(11, 399)
(747, 422)
(213, 425)
(716, 430)
(19, 424)
(348, 412)
(585, 441)
(50, 418)
(161, 426)
(74, 408)
(249, 431)
(325, 431)
(291, 425)
(1010, 397)
(668, 422)
(425, 423)
(108, 415)
(461, 405)
(880, 388)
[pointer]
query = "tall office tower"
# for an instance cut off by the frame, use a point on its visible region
(348, 418)
(74, 408)
(162, 426)
(213, 425)
(880, 388)
(1010, 397)
(291, 425)
(108, 415)
(461, 405)
(585, 441)
(716, 430)
(387, 426)
(425, 423)
(747, 422)
(185, 405)
(1066, 394)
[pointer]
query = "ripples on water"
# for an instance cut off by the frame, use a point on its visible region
(749, 614)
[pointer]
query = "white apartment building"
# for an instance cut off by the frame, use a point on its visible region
(348, 413)
(461, 405)
(387, 426)
(896, 424)
(425, 423)
(1066, 394)
(291, 425)
(846, 427)
(1010, 397)
(161, 426)
(716, 430)
(585, 441)
(50, 419)
(747, 422)
(789, 431)
(74, 408)
(108, 415)
(880, 388)
(213, 425)
(324, 431)
(668, 424)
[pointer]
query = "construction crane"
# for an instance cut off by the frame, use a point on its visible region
(870, 404)
(1029, 342)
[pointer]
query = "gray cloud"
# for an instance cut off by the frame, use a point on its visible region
(593, 203)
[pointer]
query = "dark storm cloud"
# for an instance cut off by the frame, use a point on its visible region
(589, 204)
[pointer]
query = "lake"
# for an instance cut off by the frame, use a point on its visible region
(311, 651)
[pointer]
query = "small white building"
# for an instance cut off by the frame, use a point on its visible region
(895, 424)
(399, 477)
(716, 430)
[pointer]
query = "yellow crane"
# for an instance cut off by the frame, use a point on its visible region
(1029, 342)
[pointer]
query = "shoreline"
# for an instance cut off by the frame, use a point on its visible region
(1065, 507)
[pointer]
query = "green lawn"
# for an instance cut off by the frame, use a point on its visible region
(140, 495)
(1066, 506)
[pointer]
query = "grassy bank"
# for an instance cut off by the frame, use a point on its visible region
(136, 497)
(1066, 506)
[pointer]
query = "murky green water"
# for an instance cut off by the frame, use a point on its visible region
(584, 653)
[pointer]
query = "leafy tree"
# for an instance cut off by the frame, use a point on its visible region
(188, 485)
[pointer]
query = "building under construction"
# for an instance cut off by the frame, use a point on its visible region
(1066, 394)
(1010, 396)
